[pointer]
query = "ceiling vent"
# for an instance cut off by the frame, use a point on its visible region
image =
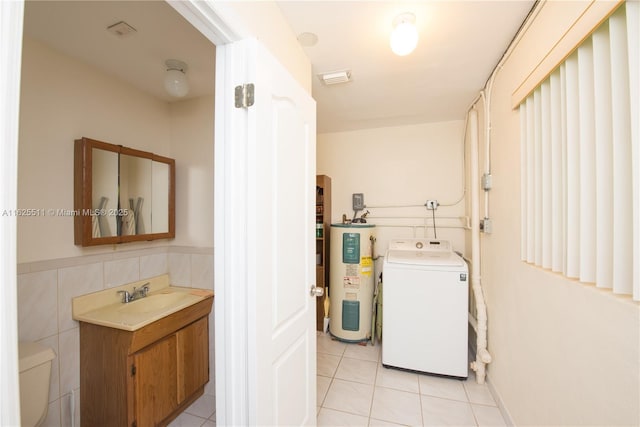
(335, 77)
(121, 29)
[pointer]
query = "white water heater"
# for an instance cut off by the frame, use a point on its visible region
(351, 281)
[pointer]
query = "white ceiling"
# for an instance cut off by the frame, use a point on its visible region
(460, 44)
(79, 29)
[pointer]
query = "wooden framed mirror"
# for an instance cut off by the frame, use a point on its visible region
(121, 194)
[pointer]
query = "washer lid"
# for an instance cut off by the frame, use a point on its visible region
(435, 258)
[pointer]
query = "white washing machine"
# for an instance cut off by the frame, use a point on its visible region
(425, 308)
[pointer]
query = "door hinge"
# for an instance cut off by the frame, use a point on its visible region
(245, 95)
(133, 370)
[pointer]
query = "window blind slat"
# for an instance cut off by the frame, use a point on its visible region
(545, 105)
(523, 182)
(622, 175)
(633, 40)
(573, 167)
(530, 183)
(537, 143)
(563, 132)
(557, 230)
(604, 157)
(587, 162)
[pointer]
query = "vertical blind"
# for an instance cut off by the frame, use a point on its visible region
(580, 160)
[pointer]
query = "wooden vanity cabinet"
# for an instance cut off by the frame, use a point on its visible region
(145, 377)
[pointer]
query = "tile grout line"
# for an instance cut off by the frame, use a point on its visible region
(375, 382)
(466, 392)
(333, 375)
(420, 398)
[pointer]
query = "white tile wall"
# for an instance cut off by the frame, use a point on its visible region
(38, 294)
(73, 282)
(69, 360)
(45, 290)
(201, 271)
(180, 268)
(122, 271)
(154, 265)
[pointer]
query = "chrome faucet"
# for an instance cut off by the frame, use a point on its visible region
(126, 296)
(136, 294)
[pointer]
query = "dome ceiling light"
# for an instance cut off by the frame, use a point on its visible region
(175, 80)
(404, 37)
(308, 39)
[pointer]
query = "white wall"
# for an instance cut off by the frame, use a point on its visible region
(192, 147)
(564, 353)
(63, 99)
(404, 165)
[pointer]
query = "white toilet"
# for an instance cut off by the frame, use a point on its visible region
(35, 376)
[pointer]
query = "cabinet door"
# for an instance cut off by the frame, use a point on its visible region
(193, 358)
(155, 383)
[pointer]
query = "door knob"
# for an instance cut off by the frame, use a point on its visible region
(316, 291)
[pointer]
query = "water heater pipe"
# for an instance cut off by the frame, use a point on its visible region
(482, 354)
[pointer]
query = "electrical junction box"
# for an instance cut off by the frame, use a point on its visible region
(486, 182)
(358, 201)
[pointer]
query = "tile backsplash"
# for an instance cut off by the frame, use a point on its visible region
(45, 290)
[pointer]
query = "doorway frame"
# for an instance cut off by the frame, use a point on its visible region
(222, 27)
(11, 29)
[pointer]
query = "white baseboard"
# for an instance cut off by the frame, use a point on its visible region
(496, 396)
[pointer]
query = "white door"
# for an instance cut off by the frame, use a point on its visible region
(282, 178)
(265, 242)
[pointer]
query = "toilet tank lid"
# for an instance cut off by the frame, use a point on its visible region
(32, 354)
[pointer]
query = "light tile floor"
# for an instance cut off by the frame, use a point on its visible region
(354, 389)
(201, 413)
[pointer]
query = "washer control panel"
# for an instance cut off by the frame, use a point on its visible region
(420, 244)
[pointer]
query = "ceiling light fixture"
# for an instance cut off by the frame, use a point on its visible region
(308, 39)
(404, 37)
(335, 77)
(175, 80)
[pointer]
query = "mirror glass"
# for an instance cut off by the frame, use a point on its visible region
(122, 194)
(135, 195)
(160, 174)
(104, 197)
